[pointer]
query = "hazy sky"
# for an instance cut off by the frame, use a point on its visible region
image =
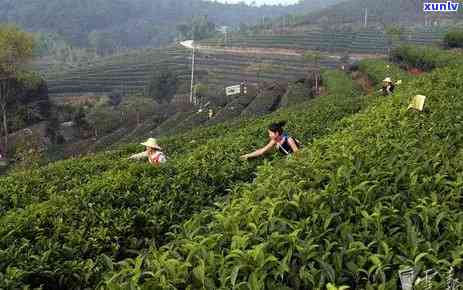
(260, 2)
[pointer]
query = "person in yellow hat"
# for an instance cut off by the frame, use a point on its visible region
(388, 87)
(153, 152)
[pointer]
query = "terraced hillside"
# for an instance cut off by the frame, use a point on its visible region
(329, 41)
(376, 189)
(130, 73)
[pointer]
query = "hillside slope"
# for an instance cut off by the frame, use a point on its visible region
(379, 194)
(201, 170)
(376, 188)
(216, 69)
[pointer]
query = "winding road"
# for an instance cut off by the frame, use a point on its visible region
(272, 51)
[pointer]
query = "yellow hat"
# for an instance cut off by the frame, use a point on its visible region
(387, 80)
(152, 143)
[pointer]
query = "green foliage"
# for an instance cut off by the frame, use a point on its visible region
(15, 49)
(377, 71)
(199, 28)
(380, 192)
(395, 33)
(46, 43)
(313, 56)
(425, 58)
(26, 100)
(75, 220)
(129, 23)
(28, 152)
(296, 94)
(338, 84)
(267, 100)
(454, 39)
(376, 189)
(163, 84)
(102, 119)
(346, 14)
(330, 40)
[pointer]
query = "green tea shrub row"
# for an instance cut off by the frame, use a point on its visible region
(378, 70)
(454, 39)
(382, 193)
(425, 58)
(22, 188)
(78, 232)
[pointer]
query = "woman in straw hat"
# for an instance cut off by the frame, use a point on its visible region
(153, 152)
(388, 87)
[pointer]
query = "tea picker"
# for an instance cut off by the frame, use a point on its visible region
(153, 153)
(278, 139)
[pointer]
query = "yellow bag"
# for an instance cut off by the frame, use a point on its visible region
(417, 102)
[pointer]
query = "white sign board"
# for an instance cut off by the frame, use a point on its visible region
(233, 90)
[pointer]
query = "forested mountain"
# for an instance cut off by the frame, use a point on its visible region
(133, 23)
(381, 12)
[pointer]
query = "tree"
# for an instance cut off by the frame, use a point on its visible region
(199, 28)
(163, 84)
(314, 58)
(16, 48)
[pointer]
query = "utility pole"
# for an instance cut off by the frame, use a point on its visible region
(192, 99)
(366, 18)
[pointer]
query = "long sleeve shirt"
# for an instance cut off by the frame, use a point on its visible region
(156, 158)
(139, 156)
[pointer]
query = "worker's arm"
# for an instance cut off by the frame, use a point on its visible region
(293, 145)
(260, 151)
(139, 156)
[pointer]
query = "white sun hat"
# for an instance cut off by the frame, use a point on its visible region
(387, 80)
(152, 143)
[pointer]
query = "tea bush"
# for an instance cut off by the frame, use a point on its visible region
(454, 39)
(378, 70)
(64, 227)
(425, 58)
(380, 193)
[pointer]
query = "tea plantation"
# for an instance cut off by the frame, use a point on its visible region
(130, 73)
(367, 41)
(376, 188)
